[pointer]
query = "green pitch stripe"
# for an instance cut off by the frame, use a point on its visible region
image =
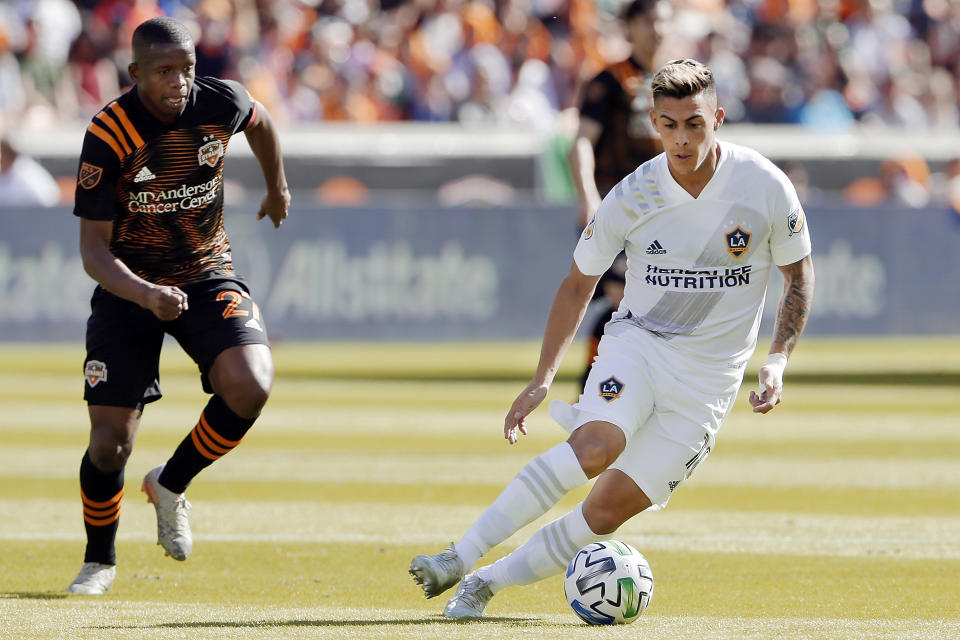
(781, 585)
(813, 500)
(822, 450)
(842, 501)
(379, 440)
(688, 584)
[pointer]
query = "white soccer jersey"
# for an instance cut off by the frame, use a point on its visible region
(697, 268)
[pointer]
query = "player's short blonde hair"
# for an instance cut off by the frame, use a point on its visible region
(682, 78)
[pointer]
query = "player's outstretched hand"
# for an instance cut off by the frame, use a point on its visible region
(771, 391)
(275, 205)
(528, 400)
(167, 303)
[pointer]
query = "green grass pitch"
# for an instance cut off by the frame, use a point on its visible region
(835, 516)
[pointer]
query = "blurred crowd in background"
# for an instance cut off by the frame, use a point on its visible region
(826, 64)
(822, 63)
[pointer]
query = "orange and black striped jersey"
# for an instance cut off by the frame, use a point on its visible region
(619, 100)
(162, 184)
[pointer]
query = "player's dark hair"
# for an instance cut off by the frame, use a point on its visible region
(160, 31)
(682, 78)
(634, 8)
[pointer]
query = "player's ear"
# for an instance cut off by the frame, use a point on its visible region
(718, 118)
(133, 71)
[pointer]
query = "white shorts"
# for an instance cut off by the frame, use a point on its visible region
(668, 405)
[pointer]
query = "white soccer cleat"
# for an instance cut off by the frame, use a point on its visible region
(94, 579)
(173, 528)
(437, 573)
(471, 599)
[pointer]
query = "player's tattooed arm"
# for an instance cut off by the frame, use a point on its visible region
(792, 313)
(794, 307)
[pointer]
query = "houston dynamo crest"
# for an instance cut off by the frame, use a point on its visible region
(610, 389)
(738, 241)
(211, 152)
(95, 372)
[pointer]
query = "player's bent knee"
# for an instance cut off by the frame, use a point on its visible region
(593, 458)
(602, 519)
(243, 377)
(109, 454)
(614, 499)
(112, 432)
(596, 450)
(256, 394)
(247, 397)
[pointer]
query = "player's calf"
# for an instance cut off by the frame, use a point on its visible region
(216, 434)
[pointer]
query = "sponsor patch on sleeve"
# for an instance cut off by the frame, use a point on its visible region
(795, 220)
(588, 232)
(90, 175)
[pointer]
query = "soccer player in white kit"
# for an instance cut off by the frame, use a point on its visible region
(702, 225)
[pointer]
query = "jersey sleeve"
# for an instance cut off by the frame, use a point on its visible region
(790, 233)
(603, 238)
(96, 192)
(246, 106)
(226, 102)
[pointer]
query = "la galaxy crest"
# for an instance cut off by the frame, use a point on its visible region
(738, 241)
(610, 389)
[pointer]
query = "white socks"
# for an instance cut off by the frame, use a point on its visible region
(537, 487)
(546, 553)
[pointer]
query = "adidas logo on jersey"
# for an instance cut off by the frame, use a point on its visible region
(144, 175)
(656, 249)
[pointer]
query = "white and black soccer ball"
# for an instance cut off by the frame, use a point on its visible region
(608, 583)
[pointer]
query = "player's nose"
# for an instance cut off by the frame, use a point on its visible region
(178, 80)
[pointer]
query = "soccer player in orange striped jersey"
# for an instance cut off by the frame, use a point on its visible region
(150, 201)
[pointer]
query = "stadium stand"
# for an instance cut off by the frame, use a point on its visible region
(829, 68)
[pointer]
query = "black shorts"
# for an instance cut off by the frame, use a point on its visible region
(124, 339)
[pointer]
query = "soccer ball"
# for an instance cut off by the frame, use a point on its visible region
(608, 583)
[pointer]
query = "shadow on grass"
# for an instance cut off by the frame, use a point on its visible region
(253, 624)
(33, 595)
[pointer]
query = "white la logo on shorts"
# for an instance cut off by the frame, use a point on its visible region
(95, 372)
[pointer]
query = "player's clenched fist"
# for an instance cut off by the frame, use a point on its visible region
(275, 206)
(771, 384)
(167, 303)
